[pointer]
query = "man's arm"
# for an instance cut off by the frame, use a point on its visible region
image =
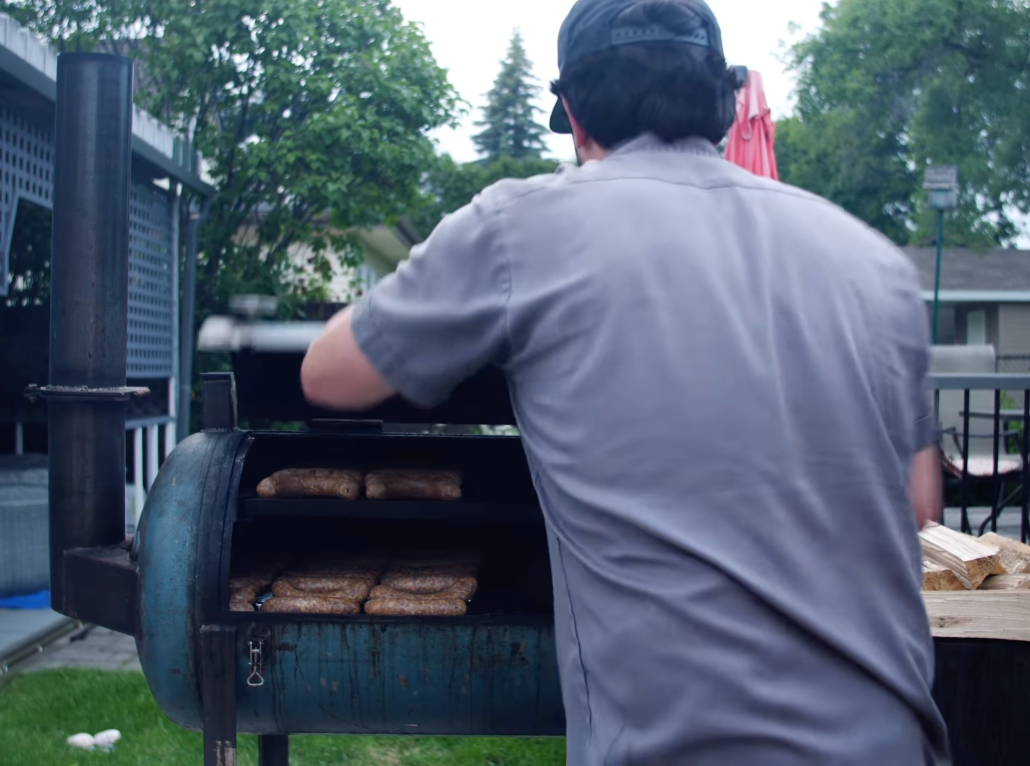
(926, 479)
(439, 318)
(336, 374)
(925, 486)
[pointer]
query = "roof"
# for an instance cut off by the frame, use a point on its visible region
(992, 275)
(32, 63)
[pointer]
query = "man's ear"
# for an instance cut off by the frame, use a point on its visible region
(578, 134)
(587, 148)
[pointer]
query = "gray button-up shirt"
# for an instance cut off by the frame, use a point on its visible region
(720, 385)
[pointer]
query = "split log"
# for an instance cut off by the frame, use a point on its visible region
(936, 577)
(1007, 582)
(971, 560)
(999, 614)
(1015, 556)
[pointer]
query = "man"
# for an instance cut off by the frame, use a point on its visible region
(720, 385)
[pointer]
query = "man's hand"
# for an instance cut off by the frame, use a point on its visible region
(336, 374)
(925, 486)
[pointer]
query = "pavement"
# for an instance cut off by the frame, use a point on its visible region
(87, 647)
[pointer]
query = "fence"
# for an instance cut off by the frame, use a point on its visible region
(985, 446)
(1013, 364)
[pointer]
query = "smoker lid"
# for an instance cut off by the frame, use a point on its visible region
(267, 357)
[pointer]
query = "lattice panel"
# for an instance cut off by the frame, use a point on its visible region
(151, 307)
(26, 172)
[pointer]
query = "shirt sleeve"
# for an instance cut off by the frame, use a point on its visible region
(441, 316)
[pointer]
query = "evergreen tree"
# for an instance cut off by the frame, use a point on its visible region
(509, 118)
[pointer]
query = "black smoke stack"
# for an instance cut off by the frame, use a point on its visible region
(88, 309)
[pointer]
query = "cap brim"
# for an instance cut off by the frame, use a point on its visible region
(560, 120)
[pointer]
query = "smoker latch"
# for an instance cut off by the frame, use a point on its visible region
(256, 663)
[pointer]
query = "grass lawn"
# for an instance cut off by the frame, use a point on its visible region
(38, 711)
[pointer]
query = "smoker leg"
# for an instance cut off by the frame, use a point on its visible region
(218, 693)
(274, 750)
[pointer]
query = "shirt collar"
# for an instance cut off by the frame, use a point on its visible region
(650, 143)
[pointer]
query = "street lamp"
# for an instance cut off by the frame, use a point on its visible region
(942, 184)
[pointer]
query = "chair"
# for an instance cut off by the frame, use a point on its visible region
(968, 458)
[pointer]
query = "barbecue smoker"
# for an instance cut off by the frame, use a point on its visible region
(490, 672)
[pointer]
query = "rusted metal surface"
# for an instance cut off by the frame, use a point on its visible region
(364, 675)
(217, 681)
(443, 676)
(85, 393)
(167, 546)
(88, 309)
(102, 587)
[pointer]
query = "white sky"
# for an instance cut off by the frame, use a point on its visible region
(470, 37)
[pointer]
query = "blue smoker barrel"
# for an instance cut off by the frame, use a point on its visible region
(483, 674)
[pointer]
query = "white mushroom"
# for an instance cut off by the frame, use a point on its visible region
(107, 738)
(83, 740)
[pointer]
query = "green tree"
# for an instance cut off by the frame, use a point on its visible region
(509, 121)
(886, 87)
(313, 115)
(863, 172)
(449, 185)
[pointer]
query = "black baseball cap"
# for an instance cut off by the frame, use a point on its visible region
(593, 25)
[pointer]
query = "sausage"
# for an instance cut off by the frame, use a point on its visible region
(311, 605)
(464, 589)
(420, 584)
(249, 581)
(402, 484)
(243, 594)
(331, 575)
(344, 483)
(417, 607)
(330, 587)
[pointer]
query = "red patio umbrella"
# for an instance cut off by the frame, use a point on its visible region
(753, 134)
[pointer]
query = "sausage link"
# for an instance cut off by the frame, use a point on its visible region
(343, 483)
(463, 588)
(417, 607)
(311, 605)
(330, 587)
(401, 484)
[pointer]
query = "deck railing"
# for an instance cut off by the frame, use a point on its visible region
(985, 446)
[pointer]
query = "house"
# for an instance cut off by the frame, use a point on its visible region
(382, 247)
(166, 174)
(984, 300)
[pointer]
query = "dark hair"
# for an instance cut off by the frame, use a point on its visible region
(673, 90)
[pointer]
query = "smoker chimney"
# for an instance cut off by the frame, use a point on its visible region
(88, 308)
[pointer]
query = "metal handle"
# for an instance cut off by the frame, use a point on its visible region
(254, 677)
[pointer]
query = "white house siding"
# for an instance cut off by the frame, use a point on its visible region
(1014, 342)
(1014, 329)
